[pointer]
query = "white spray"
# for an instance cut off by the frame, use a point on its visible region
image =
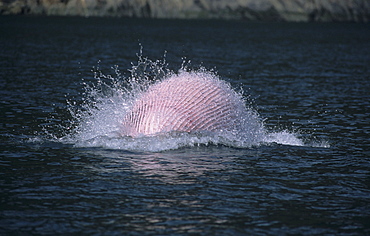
(97, 121)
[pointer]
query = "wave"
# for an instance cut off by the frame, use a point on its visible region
(97, 119)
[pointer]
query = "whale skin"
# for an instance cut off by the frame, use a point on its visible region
(186, 102)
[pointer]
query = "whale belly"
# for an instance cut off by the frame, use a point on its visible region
(187, 102)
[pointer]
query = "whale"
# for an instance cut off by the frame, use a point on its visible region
(185, 102)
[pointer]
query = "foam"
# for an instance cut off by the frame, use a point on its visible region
(97, 122)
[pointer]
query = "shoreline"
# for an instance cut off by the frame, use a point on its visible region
(247, 10)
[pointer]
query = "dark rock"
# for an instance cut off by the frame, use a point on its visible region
(260, 10)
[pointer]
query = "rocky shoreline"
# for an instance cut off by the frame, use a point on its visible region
(253, 10)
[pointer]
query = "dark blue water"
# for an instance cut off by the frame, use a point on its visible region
(308, 82)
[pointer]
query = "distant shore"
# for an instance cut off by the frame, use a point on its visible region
(253, 10)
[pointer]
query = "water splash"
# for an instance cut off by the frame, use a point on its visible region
(97, 119)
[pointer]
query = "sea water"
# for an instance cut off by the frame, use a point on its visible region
(64, 169)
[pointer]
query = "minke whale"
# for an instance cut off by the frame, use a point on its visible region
(185, 102)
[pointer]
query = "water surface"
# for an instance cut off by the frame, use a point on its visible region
(307, 81)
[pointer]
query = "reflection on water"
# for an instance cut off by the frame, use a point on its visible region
(182, 166)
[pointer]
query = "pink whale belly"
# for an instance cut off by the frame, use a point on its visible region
(187, 102)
